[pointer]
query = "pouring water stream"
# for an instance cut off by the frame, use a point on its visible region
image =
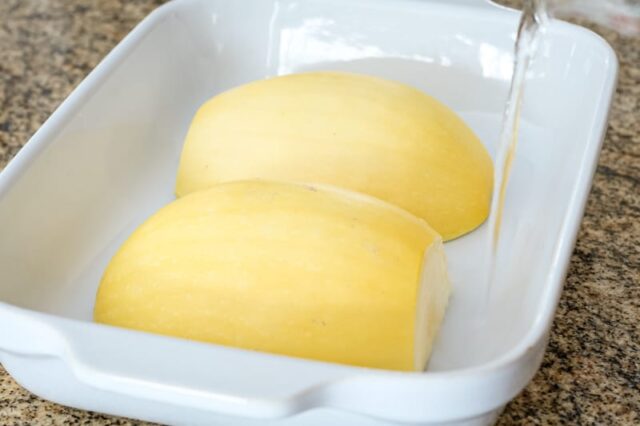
(623, 16)
(534, 18)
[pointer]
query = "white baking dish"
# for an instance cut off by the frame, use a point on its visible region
(106, 159)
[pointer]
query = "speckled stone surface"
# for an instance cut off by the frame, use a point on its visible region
(591, 371)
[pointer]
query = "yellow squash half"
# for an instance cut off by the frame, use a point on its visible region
(302, 270)
(366, 134)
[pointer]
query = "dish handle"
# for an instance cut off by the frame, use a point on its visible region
(23, 334)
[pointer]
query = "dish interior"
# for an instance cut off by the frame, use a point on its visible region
(113, 160)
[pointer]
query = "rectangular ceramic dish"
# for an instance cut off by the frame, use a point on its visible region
(106, 159)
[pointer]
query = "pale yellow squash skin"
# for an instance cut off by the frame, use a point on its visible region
(307, 271)
(366, 134)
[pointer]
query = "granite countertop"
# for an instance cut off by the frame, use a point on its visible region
(591, 370)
